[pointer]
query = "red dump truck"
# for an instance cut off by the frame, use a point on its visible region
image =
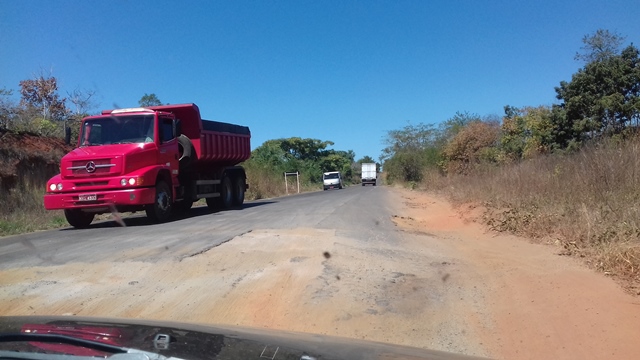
(159, 159)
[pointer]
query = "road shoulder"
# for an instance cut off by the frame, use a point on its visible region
(540, 304)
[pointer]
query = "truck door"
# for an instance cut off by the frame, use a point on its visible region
(168, 148)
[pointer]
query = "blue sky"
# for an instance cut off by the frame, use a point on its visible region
(345, 71)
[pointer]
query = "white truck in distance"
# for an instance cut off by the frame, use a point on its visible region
(369, 174)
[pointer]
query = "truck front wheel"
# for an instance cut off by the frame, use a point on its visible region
(160, 210)
(78, 218)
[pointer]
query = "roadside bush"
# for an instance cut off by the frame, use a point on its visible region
(470, 146)
(588, 202)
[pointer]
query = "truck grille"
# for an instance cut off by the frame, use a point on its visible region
(91, 183)
(90, 167)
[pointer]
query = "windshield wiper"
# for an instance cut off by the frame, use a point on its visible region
(118, 352)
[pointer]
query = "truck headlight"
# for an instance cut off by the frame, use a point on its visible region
(54, 187)
(132, 181)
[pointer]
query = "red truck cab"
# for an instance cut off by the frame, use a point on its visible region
(159, 159)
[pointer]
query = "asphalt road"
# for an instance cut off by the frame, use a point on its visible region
(357, 212)
(329, 262)
(372, 263)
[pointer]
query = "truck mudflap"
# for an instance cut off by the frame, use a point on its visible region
(100, 199)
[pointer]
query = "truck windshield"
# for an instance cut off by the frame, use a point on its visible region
(118, 130)
(332, 176)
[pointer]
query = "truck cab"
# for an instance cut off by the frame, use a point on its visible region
(141, 159)
(332, 180)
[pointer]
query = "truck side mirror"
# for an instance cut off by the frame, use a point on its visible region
(67, 135)
(177, 127)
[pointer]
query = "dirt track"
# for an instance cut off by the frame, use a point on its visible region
(444, 284)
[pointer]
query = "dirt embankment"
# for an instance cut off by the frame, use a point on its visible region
(441, 283)
(28, 158)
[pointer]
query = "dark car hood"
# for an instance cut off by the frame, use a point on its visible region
(190, 341)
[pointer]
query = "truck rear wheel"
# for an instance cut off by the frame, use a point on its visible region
(78, 218)
(160, 210)
(239, 187)
(226, 193)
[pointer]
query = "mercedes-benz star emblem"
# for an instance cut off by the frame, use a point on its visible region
(91, 167)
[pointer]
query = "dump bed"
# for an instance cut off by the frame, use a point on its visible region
(216, 143)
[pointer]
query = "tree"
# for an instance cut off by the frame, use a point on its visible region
(336, 162)
(83, 103)
(599, 46)
(42, 93)
(603, 97)
(310, 157)
(7, 108)
(450, 127)
(149, 100)
(470, 146)
(526, 132)
(410, 151)
(41, 109)
(305, 149)
(366, 159)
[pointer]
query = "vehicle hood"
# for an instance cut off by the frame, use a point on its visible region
(109, 160)
(89, 152)
(190, 341)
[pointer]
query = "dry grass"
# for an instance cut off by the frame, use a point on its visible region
(588, 203)
(26, 163)
(23, 211)
(264, 183)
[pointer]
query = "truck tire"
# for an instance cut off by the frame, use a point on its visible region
(226, 193)
(239, 187)
(78, 218)
(160, 210)
(186, 152)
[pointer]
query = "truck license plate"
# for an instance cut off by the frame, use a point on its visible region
(88, 197)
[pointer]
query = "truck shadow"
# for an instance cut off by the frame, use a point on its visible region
(139, 219)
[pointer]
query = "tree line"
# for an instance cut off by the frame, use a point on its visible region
(601, 100)
(307, 156)
(43, 111)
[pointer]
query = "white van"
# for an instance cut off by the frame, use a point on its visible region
(332, 180)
